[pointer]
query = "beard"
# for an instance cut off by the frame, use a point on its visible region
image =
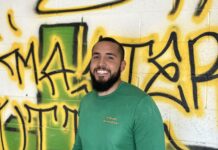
(101, 86)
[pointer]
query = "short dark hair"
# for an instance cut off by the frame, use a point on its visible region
(110, 39)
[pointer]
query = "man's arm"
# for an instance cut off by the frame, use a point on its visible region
(148, 126)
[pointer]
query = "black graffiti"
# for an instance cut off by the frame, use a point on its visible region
(207, 76)
(200, 7)
(175, 7)
(75, 114)
(40, 111)
(19, 58)
(168, 134)
(23, 126)
(46, 74)
(63, 70)
(81, 88)
(133, 48)
(76, 9)
(58, 50)
(31, 54)
(11, 24)
(1, 108)
(7, 64)
(172, 41)
(198, 11)
(162, 71)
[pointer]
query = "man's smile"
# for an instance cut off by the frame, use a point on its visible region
(101, 72)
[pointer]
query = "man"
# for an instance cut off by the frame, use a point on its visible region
(116, 115)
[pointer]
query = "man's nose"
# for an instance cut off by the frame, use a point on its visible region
(102, 62)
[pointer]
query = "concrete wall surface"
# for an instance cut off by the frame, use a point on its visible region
(45, 48)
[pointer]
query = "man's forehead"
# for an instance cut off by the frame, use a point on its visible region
(106, 46)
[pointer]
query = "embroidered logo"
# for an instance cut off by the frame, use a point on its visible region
(111, 120)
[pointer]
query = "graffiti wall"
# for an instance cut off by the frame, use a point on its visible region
(45, 48)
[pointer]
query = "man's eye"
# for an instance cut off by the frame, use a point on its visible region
(95, 57)
(110, 57)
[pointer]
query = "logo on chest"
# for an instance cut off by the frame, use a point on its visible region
(110, 120)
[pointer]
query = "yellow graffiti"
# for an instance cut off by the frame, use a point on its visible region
(173, 48)
(11, 22)
(200, 69)
(12, 62)
(80, 53)
(16, 58)
(22, 137)
(41, 116)
(1, 38)
(177, 12)
(204, 14)
(54, 63)
(3, 100)
(43, 6)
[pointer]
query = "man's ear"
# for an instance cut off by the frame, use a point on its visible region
(123, 65)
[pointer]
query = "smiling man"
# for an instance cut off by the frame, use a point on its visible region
(116, 115)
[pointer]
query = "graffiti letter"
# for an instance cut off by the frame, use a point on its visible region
(25, 62)
(63, 70)
(23, 125)
(40, 118)
(1, 133)
(209, 75)
(75, 113)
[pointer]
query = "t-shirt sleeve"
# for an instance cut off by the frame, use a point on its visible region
(148, 126)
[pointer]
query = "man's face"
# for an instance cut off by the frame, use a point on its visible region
(106, 65)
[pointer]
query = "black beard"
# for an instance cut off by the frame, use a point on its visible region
(100, 86)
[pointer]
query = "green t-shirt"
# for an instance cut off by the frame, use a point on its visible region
(126, 119)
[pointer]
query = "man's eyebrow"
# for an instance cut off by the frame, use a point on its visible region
(111, 54)
(95, 53)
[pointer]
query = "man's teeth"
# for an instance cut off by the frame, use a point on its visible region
(101, 71)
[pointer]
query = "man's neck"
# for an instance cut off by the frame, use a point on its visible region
(110, 90)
